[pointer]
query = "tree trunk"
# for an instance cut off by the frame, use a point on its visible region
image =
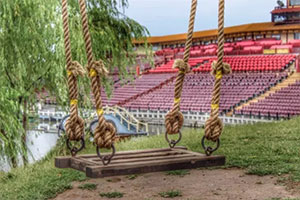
(24, 122)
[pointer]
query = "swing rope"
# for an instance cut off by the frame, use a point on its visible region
(105, 133)
(74, 124)
(214, 125)
(174, 119)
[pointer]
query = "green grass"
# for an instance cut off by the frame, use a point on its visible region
(88, 186)
(170, 194)
(178, 173)
(132, 177)
(112, 195)
(261, 149)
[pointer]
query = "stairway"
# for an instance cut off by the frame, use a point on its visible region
(290, 80)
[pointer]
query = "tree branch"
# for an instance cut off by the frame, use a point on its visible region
(9, 78)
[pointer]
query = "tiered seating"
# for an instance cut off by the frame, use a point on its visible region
(197, 90)
(167, 68)
(247, 47)
(141, 85)
(251, 63)
(282, 104)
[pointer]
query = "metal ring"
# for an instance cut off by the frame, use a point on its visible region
(209, 150)
(172, 143)
(106, 159)
(74, 150)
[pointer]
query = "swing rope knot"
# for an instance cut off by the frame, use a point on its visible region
(98, 68)
(76, 69)
(75, 124)
(174, 122)
(182, 66)
(105, 133)
(213, 128)
(218, 72)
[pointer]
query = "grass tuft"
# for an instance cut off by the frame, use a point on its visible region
(170, 194)
(180, 173)
(132, 177)
(88, 186)
(112, 195)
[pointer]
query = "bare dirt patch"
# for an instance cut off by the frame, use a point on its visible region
(220, 184)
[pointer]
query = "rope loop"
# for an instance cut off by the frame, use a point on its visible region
(174, 122)
(74, 126)
(218, 72)
(213, 128)
(105, 134)
(181, 65)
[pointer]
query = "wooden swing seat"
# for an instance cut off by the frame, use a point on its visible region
(142, 161)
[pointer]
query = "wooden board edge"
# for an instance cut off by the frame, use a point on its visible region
(95, 172)
(62, 162)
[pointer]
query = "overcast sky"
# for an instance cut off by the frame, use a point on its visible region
(163, 17)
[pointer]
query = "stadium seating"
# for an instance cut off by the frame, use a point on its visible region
(282, 104)
(196, 94)
(139, 86)
(167, 68)
(251, 63)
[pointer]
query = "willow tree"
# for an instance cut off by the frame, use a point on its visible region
(32, 56)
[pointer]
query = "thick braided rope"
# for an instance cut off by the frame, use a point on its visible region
(174, 119)
(105, 133)
(214, 125)
(75, 124)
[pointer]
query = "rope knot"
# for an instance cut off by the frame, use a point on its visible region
(213, 128)
(223, 70)
(76, 69)
(105, 134)
(181, 65)
(98, 69)
(174, 122)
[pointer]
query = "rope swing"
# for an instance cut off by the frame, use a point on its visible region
(105, 133)
(75, 124)
(174, 119)
(214, 125)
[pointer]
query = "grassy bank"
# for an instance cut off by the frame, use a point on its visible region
(261, 149)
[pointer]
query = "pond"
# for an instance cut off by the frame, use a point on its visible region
(39, 143)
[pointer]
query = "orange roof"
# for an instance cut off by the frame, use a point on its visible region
(246, 28)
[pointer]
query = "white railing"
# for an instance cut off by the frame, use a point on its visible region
(193, 118)
(126, 116)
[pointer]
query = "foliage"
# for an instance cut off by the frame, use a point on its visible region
(32, 54)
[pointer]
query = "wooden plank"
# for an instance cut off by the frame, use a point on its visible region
(135, 160)
(123, 153)
(118, 157)
(62, 162)
(147, 167)
(144, 161)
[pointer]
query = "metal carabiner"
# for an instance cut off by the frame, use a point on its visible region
(172, 143)
(74, 150)
(209, 150)
(106, 159)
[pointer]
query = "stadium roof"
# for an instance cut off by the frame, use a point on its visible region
(246, 28)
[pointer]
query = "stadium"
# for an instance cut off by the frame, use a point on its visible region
(264, 85)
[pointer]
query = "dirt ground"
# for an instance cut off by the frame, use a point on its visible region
(220, 184)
